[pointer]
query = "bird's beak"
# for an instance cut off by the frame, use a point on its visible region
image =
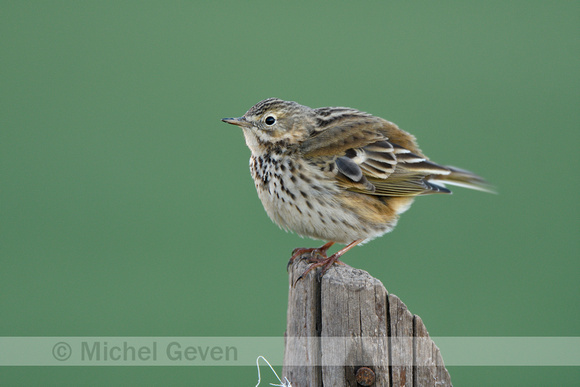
(240, 121)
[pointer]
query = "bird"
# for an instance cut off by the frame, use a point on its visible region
(338, 174)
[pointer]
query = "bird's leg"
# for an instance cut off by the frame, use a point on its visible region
(326, 263)
(298, 252)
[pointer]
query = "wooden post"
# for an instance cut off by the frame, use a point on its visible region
(348, 331)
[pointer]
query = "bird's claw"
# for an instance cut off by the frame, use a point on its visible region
(300, 252)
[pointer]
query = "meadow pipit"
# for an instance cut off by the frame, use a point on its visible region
(337, 174)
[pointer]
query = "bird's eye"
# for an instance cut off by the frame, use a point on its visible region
(270, 120)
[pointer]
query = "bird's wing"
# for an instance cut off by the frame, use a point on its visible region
(375, 157)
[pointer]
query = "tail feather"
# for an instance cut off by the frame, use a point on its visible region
(462, 178)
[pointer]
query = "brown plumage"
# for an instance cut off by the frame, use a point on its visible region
(338, 174)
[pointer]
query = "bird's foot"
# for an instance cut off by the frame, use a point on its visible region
(325, 263)
(312, 253)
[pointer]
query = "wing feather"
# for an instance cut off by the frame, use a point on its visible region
(372, 155)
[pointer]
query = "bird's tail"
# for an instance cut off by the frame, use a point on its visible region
(465, 179)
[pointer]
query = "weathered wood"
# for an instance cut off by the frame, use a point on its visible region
(348, 321)
(302, 345)
(428, 362)
(353, 307)
(401, 340)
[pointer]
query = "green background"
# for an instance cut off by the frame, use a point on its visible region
(127, 207)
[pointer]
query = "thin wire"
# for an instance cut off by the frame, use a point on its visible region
(285, 383)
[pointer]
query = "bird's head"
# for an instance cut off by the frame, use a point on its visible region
(274, 122)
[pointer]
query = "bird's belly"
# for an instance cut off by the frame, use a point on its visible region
(301, 198)
(326, 213)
